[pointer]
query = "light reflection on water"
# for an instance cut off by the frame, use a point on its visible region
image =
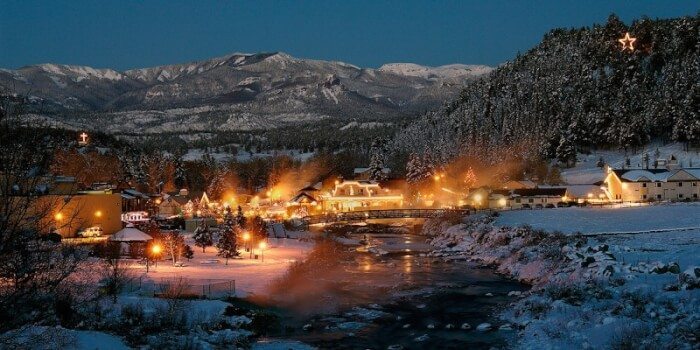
(400, 281)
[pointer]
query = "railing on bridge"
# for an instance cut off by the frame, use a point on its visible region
(362, 215)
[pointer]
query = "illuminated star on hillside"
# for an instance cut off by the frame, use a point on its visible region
(627, 42)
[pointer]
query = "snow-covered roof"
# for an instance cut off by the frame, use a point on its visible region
(645, 174)
(539, 192)
(135, 193)
(300, 198)
(581, 191)
(130, 234)
(695, 172)
(650, 175)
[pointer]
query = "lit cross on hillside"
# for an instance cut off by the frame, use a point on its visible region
(83, 138)
(627, 42)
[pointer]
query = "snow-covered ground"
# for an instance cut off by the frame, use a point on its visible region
(586, 171)
(606, 219)
(611, 291)
(204, 324)
(251, 276)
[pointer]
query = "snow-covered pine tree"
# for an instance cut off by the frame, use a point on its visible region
(187, 252)
(415, 170)
(203, 237)
(227, 245)
(566, 152)
(240, 219)
(377, 156)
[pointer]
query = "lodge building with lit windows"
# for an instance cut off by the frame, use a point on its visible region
(648, 185)
(350, 195)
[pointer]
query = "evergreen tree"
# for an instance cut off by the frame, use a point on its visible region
(227, 245)
(376, 160)
(188, 253)
(240, 219)
(179, 177)
(203, 237)
(566, 152)
(415, 169)
(258, 228)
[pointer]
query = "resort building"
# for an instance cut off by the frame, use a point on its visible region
(643, 185)
(71, 214)
(359, 195)
(538, 197)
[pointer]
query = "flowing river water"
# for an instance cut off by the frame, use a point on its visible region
(400, 299)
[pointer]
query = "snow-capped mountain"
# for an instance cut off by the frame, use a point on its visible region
(235, 92)
(450, 71)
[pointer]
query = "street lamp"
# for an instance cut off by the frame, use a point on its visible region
(155, 250)
(246, 238)
(262, 246)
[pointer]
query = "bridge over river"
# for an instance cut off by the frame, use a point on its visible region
(362, 215)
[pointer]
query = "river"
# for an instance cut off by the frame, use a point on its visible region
(399, 299)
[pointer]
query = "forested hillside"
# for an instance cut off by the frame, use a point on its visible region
(576, 90)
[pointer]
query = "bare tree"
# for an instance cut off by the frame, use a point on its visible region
(116, 273)
(32, 268)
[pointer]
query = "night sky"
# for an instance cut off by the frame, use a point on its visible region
(134, 34)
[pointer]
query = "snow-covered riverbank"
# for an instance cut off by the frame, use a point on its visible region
(588, 292)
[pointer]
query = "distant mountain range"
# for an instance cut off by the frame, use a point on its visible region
(233, 92)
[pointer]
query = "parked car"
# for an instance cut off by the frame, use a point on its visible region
(526, 206)
(94, 231)
(538, 206)
(549, 205)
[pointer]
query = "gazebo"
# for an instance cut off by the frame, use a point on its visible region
(131, 239)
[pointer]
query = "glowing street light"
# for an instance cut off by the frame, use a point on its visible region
(246, 238)
(98, 214)
(155, 252)
(262, 247)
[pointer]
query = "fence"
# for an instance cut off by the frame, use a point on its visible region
(182, 288)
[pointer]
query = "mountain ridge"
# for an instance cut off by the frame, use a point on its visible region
(233, 88)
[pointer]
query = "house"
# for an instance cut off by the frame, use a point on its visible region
(479, 197)
(364, 173)
(81, 210)
(133, 200)
(642, 185)
(359, 195)
(303, 204)
(592, 194)
(499, 199)
(169, 206)
(537, 197)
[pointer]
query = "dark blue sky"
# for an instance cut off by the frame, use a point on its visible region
(130, 34)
